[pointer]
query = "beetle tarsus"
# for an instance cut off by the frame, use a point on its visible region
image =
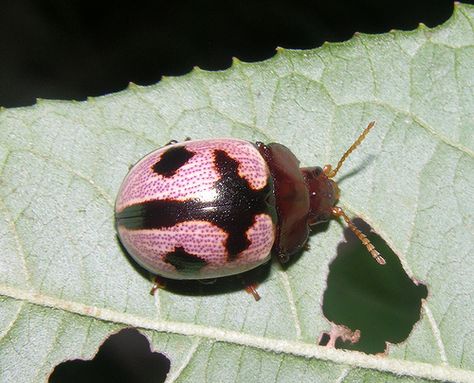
(251, 289)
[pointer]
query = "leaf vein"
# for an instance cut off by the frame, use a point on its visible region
(297, 348)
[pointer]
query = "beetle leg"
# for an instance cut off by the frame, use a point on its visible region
(251, 288)
(172, 142)
(284, 258)
(158, 283)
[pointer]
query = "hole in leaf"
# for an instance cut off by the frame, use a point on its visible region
(324, 339)
(382, 302)
(123, 357)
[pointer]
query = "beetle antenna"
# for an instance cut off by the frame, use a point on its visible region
(338, 212)
(330, 173)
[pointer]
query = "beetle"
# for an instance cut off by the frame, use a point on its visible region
(203, 209)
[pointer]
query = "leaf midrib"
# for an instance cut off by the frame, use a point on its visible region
(297, 348)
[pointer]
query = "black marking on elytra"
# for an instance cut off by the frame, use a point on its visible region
(184, 261)
(233, 209)
(171, 160)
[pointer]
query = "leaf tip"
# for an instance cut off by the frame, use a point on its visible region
(235, 60)
(279, 49)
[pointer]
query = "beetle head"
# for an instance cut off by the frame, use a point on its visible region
(323, 194)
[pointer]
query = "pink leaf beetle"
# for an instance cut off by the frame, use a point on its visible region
(204, 209)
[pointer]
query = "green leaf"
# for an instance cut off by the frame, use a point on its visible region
(65, 284)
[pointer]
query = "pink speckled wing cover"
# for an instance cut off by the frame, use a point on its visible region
(195, 180)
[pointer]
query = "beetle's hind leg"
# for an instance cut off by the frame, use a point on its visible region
(158, 283)
(251, 288)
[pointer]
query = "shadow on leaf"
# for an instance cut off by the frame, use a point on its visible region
(223, 285)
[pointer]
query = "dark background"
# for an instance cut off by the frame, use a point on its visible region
(78, 48)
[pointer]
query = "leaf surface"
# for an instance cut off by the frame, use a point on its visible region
(65, 284)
